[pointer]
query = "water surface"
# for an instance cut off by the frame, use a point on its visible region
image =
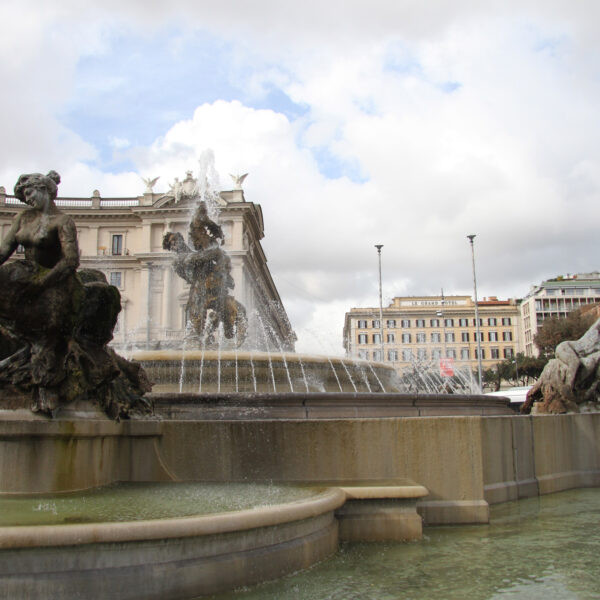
(139, 501)
(541, 548)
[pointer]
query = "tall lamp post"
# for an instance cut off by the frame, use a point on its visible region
(471, 238)
(379, 247)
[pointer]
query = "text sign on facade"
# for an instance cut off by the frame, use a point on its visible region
(446, 367)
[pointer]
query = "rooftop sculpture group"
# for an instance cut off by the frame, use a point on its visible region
(56, 320)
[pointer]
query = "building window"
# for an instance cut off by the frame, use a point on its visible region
(450, 353)
(116, 278)
(117, 244)
(405, 323)
(377, 338)
(463, 322)
(508, 353)
(362, 338)
(407, 355)
(420, 323)
(436, 337)
(377, 355)
(421, 338)
(495, 353)
(363, 354)
(492, 322)
(406, 338)
(449, 336)
(376, 324)
(422, 354)
(507, 336)
(392, 354)
(464, 336)
(480, 336)
(449, 322)
(391, 323)
(436, 353)
(464, 354)
(506, 320)
(493, 336)
(482, 354)
(475, 322)
(434, 322)
(390, 338)
(362, 324)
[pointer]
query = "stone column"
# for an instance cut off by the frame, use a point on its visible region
(167, 305)
(145, 320)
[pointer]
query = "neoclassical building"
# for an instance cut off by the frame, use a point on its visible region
(430, 328)
(123, 238)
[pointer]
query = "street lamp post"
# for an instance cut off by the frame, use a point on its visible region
(471, 238)
(379, 247)
(441, 314)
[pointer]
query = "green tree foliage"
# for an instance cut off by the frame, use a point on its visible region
(517, 371)
(555, 330)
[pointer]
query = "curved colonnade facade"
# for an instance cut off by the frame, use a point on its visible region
(122, 237)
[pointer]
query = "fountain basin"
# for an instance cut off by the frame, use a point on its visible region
(275, 372)
(168, 558)
(196, 554)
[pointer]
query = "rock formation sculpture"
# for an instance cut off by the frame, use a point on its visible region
(56, 321)
(571, 379)
(208, 271)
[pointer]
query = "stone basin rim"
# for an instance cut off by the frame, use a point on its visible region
(28, 536)
(247, 355)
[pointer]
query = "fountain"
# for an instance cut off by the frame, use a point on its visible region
(319, 447)
(222, 372)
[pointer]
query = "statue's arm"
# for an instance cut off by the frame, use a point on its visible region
(9, 243)
(67, 235)
(566, 353)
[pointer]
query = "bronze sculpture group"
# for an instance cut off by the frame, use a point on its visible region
(56, 321)
(207, 269)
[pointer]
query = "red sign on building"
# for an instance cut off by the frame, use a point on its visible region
(446, 367)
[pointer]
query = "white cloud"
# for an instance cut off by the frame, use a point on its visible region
(459, 118)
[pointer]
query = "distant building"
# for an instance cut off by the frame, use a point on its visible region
(425, 328)
(123, 238)
(555, 298)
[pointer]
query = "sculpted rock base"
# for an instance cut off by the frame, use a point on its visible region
(570, 381)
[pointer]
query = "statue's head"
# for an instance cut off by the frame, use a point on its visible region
(173, 241)
(48, 183)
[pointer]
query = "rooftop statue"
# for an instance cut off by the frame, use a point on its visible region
(571, 379)
(208, 271)
(150, 183)
(56, 321)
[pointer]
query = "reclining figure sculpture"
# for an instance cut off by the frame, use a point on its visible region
(207, 269)
(56, 321)
(570, 379)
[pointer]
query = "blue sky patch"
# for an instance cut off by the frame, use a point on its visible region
(335, 167)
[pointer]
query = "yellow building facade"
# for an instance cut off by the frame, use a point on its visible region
(430, 328)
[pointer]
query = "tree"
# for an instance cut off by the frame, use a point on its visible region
(556, 330)
(530, 367)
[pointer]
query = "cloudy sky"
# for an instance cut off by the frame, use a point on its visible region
(408, 123)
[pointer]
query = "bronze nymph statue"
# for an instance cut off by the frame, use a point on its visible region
(56, 321)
